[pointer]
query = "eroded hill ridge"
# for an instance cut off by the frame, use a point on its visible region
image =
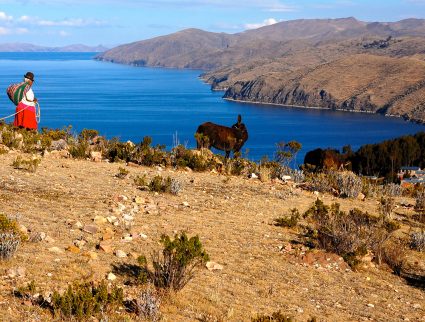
(330, 63)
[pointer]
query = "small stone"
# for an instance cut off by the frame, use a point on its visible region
(111, 277)
(73, 249)
(49, 239)
(119, 253)
(92, 229)
(99, 220)
(107, 235)
(55, 250)
(96, 156)
(253, 176)
(127, 217)
(122, 198)
(213, 266)
(78, 225)
(105, 246)
(111, 219)
(142, 235)
(79, 243)
(42, 235)
(316, 193)
(90, 255)
(416, 306)
(127, 238)
(185, 203)
(23, 229)
(361, 196)
(370, 305)
(139, 200)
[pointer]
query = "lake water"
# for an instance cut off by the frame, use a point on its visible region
(131, 102)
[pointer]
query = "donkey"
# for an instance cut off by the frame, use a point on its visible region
(222, 137)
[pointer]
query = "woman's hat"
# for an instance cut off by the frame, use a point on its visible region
(29, 75)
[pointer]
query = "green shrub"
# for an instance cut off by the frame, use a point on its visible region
(122, 173)
(175, 266)
(160, 184)
(83, 301)
(88, 134)
(290, 221)
(140, 181)
(79, 149)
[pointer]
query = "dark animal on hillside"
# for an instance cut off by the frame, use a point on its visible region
(327, 159)
(222, 137)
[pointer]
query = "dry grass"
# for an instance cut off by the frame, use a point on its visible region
(234, 220)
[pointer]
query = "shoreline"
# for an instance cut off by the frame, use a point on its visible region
(322, 108)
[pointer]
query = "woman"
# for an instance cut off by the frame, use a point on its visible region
(25, 110)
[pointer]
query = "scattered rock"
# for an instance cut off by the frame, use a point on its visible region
(96, 156)
(122, 198)
(73, 249)
(185, 203)
(16, 272)
(370, 305)
(141, 235)
(213, 266)
(111, 277)
(253, 176)
(79, 243)
(78, 225)
(105, 246)
(55, 250)
(91, 255)
(99, 220)
(119, 253)
(361, 196)
(49, 239)
(139, 200)
(92, 229)
(107, 235)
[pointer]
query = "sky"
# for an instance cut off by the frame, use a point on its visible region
(110, 23)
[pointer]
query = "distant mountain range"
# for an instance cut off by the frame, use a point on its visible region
(330, 63)
(24, 47)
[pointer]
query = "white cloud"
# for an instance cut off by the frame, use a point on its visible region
(267, 22)
(5, 17)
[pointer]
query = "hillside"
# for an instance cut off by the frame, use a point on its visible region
(275, 57)
(263, 268)
(362, 82)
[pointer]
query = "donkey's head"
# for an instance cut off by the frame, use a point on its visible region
(241, 133)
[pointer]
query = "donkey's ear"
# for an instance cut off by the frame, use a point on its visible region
(239, 119)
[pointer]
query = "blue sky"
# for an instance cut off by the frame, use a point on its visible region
(108, 22)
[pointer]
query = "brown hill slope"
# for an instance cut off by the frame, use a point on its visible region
(233, 216)
(360, 82)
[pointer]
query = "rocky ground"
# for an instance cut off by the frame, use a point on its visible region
(85, 223)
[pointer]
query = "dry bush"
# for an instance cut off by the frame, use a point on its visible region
(29, 165)
(394, 255)
(417, 241)
(147, 305)
(420, 201)
(348, 184)
(349, 234)
(122, 173)
(386, 206)
(264, 173)
(10, 237)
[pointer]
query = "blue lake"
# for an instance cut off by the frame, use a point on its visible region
(130, 102)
